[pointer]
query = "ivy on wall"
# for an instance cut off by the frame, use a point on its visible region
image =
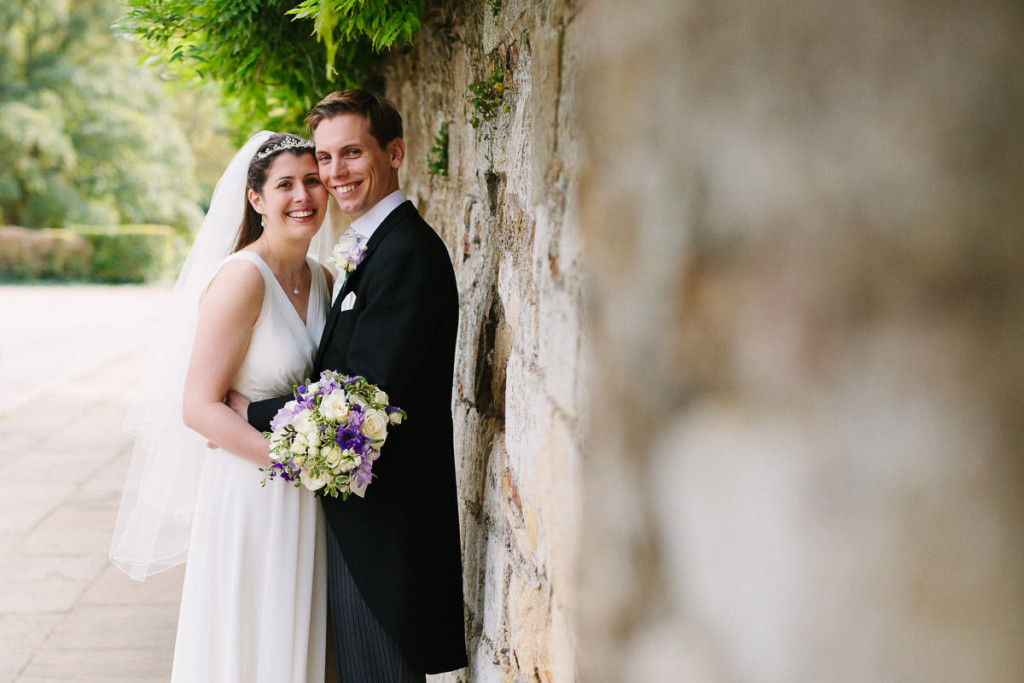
(437, 158)
(485, 96)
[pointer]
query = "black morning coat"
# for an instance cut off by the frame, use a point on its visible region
(401, 542)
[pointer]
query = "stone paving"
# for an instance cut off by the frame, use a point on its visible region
(69, 358)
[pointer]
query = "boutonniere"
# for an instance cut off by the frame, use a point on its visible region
(348, 253)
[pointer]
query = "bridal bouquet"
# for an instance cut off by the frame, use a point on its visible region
(328, 438)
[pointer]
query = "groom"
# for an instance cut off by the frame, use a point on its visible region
(394, 564)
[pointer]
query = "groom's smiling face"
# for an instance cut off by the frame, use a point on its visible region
(353, 165)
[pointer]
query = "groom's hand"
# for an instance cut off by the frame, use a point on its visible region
(238, 403)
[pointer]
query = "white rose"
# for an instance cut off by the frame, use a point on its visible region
(298, 445)
(334, 406)
(312, 483)
(332, 456)
(381, 397)
(395, 418)
(375, 424)
(304, 423)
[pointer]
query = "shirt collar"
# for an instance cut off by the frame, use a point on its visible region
(366, 224)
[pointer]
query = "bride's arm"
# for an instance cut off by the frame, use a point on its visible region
(227, 313)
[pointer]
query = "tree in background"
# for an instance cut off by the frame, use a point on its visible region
(205, 121)
(85, 134)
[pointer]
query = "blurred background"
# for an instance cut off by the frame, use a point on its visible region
(97, 146)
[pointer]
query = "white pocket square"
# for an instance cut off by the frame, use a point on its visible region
(348, 302)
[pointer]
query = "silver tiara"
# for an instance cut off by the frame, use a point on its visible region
(290, 142)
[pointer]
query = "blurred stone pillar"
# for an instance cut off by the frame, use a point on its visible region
(805, 225)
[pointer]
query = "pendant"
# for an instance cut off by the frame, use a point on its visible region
(295, 292)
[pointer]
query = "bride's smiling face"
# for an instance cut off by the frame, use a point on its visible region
(293, 199)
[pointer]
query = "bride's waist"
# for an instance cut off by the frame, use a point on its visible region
(268, 384)
(256, 396)
(262, 393)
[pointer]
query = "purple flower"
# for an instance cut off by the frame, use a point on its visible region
(305, 400)
(283, 471)
(284, 416)
(349, 438)
(327, 383)
(363, 474)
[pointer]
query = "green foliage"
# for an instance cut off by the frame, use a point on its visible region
(265, 62)
(485, 96)
(261, 53)
(495, 6)
(42, 254)
(126, 253)
(84, 133)
(384, 23)
(437, 159)
(129, 253)
(88, 133)
(198, 109)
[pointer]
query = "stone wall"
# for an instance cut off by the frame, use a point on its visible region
(804, 220)
(506, 211)
(785, 442)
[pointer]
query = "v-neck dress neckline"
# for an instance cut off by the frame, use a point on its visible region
(267, 270)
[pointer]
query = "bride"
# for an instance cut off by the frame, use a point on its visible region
(249, 307)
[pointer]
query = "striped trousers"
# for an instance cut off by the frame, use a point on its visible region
(363, 651)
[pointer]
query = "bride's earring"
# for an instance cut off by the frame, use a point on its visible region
(263, 222)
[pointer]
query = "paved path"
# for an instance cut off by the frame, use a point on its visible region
(69, 357)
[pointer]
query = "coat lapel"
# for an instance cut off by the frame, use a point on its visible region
(401, 212)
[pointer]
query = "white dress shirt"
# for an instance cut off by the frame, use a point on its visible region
(367, 224)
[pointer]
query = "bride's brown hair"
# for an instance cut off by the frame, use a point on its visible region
(276, 144)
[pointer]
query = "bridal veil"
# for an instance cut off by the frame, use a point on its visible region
(154, 521)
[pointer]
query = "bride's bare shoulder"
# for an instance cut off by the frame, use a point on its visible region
(239, 270)
(239, 283)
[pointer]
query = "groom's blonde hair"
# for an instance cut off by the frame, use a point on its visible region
(384, 119)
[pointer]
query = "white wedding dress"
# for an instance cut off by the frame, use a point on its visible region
(253, 608)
